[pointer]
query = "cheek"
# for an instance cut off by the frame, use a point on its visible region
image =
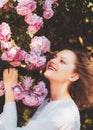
(57, 76)
(52, 76)
(65, 72)
(63, 75)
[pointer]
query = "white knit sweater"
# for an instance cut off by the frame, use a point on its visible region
(55, 115)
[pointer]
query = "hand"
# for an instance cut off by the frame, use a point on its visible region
(10, 77)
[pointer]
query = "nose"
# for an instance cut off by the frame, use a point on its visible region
(54, 60)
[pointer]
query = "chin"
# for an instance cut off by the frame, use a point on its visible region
(48, 75)
(45, 74)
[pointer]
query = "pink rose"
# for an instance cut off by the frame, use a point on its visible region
(37, 51)
(47, 14)
(41, 61)
(47, 4)
(40, 42)
(5, 32)
(8, 6)
(34, 60)
(31, 58)
(25, 7)
(20, 55)
(2, 2)
(27, 58)
(35, 22)
(22, 10)
(30, 67)
(14, 55)
(35, 98)
(30, 100)
(40, 89)
(32, 29)
(6, 45)
(18, 96)
(4, 56)
(15, 63)
(24, 1)
(10, 54)
(32, 19)
(18, 90)
(27, 82)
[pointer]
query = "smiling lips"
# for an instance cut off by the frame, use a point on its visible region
(51, 67)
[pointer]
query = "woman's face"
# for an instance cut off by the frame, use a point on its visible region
(61, 67)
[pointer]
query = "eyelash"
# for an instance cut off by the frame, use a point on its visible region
(55, 56)
(62, 61)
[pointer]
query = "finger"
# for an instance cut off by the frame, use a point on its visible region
(5, 72)
(15, 73)
(10, 71)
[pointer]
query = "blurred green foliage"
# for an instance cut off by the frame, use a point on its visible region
(71, 25)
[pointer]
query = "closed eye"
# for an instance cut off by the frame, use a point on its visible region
(62, 61)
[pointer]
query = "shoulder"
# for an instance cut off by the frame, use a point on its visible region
(62, 112)
(68, 106)
(67, 109)
(65, 113)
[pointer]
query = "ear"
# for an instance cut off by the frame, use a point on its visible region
(74, 77)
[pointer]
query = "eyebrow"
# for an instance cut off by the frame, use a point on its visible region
(65, 59)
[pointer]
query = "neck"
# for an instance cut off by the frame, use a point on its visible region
(59, 91)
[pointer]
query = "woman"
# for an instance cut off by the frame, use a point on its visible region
(70, 76)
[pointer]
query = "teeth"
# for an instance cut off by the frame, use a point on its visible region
(52, 68)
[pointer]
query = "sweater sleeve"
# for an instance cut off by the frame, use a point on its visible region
(8, 119)
(38, 125)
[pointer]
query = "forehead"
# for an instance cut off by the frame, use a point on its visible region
(68, 55)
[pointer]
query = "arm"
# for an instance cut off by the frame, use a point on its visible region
(38, 125)
(9, 117)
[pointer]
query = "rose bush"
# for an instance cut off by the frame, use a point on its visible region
(33, 58)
